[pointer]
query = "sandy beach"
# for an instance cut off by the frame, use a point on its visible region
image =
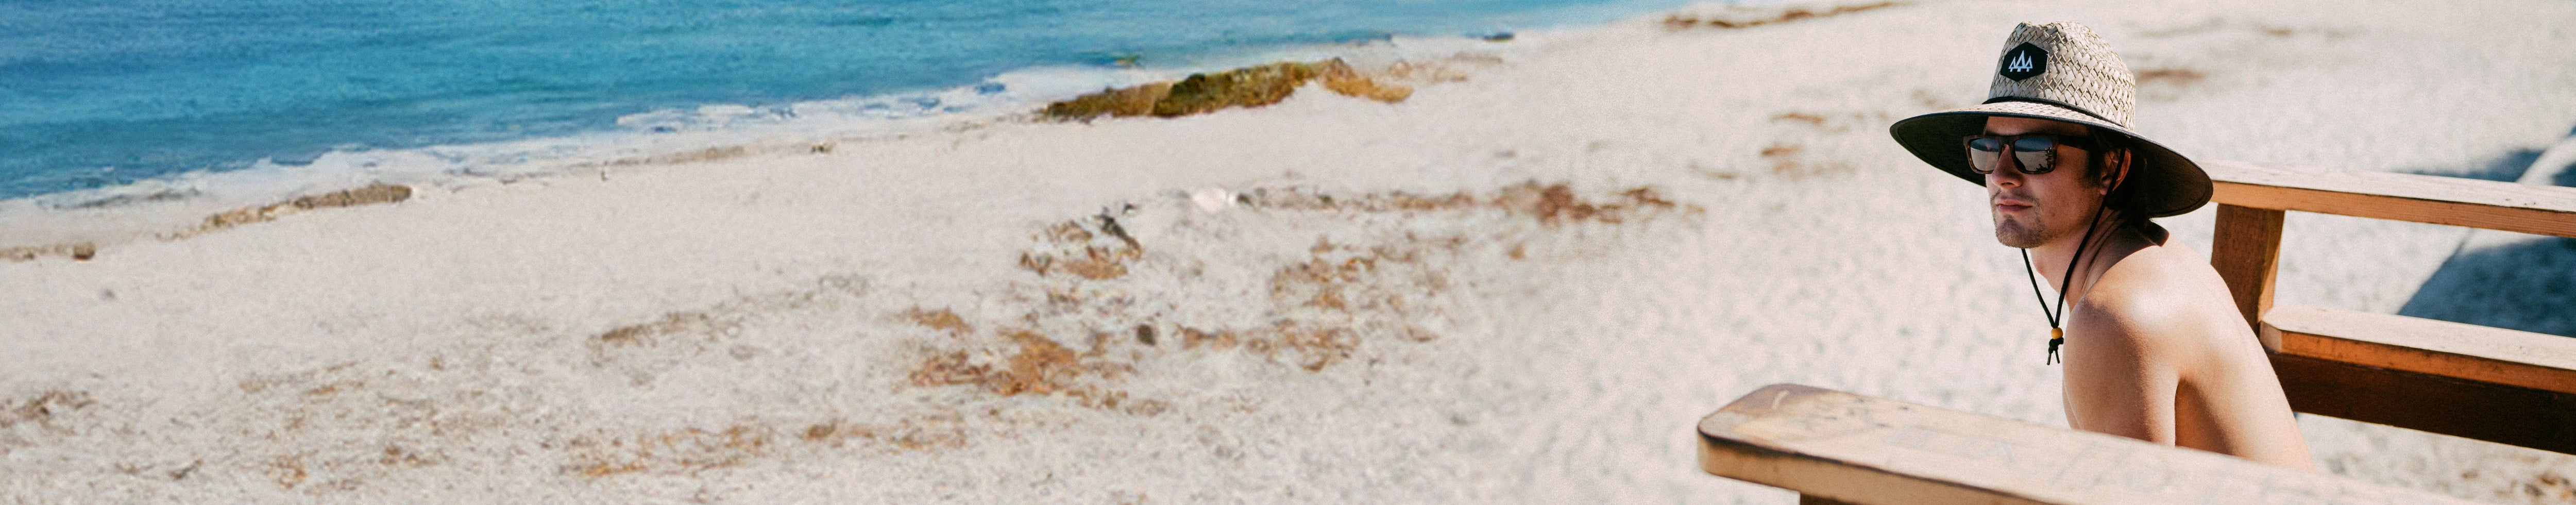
(1522, 283)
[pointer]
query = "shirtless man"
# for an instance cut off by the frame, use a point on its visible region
(2154, 347)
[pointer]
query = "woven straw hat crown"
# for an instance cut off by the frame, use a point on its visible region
(2062, 71)
(2068, 65)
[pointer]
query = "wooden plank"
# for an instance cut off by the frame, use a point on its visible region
(2247, 253)
(1863, 450)
(2523, 208)
(2537, 419)
(2462, 351)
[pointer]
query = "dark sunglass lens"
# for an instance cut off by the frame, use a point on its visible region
(2034, 144)
(1982, 153)
(2034, 162)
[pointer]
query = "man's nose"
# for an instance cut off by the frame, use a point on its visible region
(2006, 173)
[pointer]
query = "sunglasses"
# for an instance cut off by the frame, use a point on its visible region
(2033, 154)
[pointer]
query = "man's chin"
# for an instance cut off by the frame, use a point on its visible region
(2013, 235)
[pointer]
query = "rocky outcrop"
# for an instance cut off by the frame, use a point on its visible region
(1209, 92)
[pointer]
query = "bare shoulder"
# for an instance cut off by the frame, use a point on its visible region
(2165, 313)
(2165, 299)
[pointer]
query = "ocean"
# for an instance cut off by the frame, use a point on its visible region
(97, 95)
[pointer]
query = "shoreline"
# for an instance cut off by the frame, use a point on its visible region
(155, 209)
(1519, 286)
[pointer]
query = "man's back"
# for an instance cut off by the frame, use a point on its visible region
(2157, 351)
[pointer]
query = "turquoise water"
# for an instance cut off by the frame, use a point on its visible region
(97, 93)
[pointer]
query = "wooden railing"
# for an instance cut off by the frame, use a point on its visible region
(1836, 447)
(2472, 381)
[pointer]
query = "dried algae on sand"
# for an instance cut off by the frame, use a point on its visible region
(1209, 92)
(371, 194)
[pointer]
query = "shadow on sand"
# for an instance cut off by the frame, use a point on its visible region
(2527, 285)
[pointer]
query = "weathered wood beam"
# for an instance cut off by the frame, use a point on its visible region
(2521, 208)
(2460, 351)
(2533, 418)
(1869, 451)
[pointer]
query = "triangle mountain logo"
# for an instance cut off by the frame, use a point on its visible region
(2024, 61)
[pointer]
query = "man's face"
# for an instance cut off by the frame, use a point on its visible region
(2033, 210)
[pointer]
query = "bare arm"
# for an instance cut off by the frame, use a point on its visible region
(2118, 379)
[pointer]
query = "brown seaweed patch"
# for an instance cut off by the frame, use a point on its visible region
(1552, 203)
(1201, 93)
(644, 350)
(44, 408)
(1324, 309)
(2549, 486)
(1341, 79)
(2173, 76)
(1039, 366)
(942, 320)
(372, 194)
(1388, 201)
(1453, 68)
(1734, 17)
(693, 450)
(1311, 347)
(1072, 247)
(674, 322)
(1800, 117)
(1832, 123)
(1193, 338)
(835, 431)
(81, 251)
(1792, 161)
(687, 450)
(287, 471)
(1557, 203)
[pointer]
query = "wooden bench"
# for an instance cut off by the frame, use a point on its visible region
(2465, 380)
(1836, 447)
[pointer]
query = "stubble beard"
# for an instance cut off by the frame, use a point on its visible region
(2017, 233)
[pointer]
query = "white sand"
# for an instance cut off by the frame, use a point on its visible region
(738, 330)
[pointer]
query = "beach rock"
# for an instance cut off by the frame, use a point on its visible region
(1119, 102)
(1209, 92)
(1340, 78)
(77, 251)
(1242, 87)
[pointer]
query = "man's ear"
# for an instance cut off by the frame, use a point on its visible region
(2118, 170)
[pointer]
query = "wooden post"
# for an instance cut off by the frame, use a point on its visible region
(2247, 252)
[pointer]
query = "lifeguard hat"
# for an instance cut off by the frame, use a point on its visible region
(2062, 71)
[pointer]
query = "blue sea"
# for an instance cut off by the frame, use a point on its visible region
(102, 93)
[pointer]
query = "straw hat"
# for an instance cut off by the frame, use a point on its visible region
(2062, 71)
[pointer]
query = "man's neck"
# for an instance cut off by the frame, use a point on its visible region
(2108, 241)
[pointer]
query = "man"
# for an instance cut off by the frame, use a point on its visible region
(2154, 347)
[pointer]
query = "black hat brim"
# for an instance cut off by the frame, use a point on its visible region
(2163, 184)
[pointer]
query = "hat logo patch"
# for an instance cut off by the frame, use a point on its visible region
(2025, 61)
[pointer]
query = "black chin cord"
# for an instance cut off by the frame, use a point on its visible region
(2057, 333)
